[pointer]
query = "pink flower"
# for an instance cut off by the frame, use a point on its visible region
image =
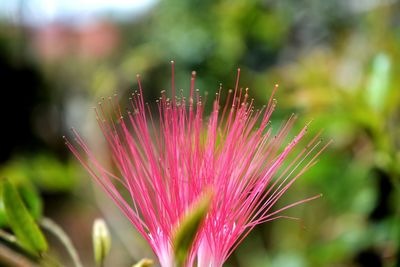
(166, 163)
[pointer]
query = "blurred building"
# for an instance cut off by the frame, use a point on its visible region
(57, 41)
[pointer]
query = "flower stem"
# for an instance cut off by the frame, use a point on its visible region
(57, 231)
(12, 258)
(8, 237)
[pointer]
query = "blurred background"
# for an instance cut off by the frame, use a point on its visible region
(337, 62)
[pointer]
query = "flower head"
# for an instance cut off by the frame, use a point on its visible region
(167, 162)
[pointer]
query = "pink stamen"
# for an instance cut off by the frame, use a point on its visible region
(166, 163)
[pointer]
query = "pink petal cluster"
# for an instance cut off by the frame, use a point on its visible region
(167, 161)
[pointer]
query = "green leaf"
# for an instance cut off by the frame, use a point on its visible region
(31, 199)
(21, 222)
(3, 216)
(188, 226)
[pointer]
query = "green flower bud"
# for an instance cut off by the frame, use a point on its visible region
(144, 263)
(101, 241)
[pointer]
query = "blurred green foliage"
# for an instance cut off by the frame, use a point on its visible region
(42, 171)
(336, 62)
